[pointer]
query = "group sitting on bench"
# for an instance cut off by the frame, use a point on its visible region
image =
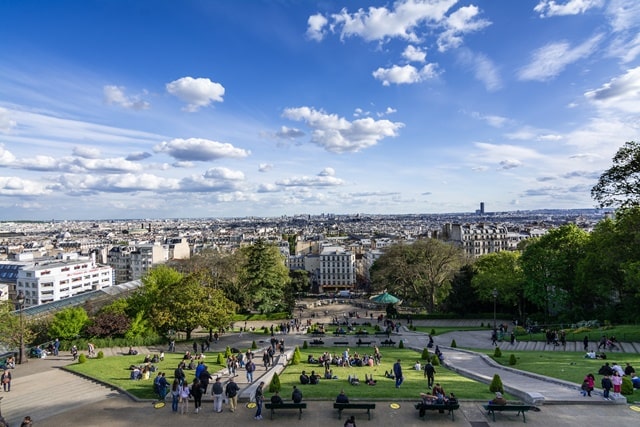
(435, 398)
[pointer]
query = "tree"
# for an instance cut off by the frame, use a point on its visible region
(10, 331)
(550, 268)
(500, 271)
(462, 298)
(106, 324)
(620, 184)
(68, 323)
(419, 273)
(265, 276)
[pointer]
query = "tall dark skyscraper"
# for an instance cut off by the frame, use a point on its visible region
(481, 208)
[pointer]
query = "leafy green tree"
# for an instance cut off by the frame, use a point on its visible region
(139, 327)
(419, 273)
(10, 326)
(500, 271)
(265, 276)
(154, 284)
(550, 268)
(462, 298)
(620, 184)
(275, 385)
(68, 323)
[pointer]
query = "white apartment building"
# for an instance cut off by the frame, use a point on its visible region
(337, 269)
(45, 282)
(477, 239)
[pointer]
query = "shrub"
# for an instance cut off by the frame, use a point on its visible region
(221, 359)
(433, 331)
(295, 360)
(274, 385)
(497, 352)
(627, 386)
(254, 345)
(496, 384)
(227, 352)
(305, 345)
(435, 361)
(512, 360)
(377, 328)
(482, 324)
(100, 355)
(425, 354)
(454, 344)
(82, 358)
(519, 330)
(401, 344)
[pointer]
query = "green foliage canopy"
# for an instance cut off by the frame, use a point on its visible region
(68, 323)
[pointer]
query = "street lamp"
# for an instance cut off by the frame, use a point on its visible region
(21, 356)
(495, 297)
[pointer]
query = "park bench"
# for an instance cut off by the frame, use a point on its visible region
(387, 343)
(339, 333)
(380, 333)
(509, 407)
(360, 342)
(342, 406)
(440, 407)
(317, 334)
(341, 343)
(286, 405)
(317, 342)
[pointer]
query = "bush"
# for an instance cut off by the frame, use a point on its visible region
(401, 344)
(221, 360)
(512, 360)
(377, 328)
(496, 384)
(275, 383)
(627, 386)
(435, 361)
(433, 331)
(82, 358)
(295, 360)
(497, 352)
(519, 330)
(227, 352)
(482, 324)
(305, 345)
(100, 355)
(425, 354)
(454, 344)
(254, 345)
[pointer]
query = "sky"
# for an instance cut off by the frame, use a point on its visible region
(196, 109)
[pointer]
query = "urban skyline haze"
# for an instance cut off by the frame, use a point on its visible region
(194, 109)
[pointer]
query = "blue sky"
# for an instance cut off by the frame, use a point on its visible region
(167, 109)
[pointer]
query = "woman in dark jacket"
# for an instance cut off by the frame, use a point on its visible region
(196, 393)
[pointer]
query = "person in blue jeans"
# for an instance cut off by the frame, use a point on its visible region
(607, 385)
(259, 399)
(397, 371)
(175, 394)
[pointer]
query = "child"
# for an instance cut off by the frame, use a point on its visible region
(606, 386)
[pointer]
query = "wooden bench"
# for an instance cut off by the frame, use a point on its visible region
(520, 409)
(359, 343)
(317, 342)
(439, 407)
(387, 343)
(274, 406)
(342, 406)
(341, 343)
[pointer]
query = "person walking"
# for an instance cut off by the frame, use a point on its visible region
(250, 367)
(231, 391)
(6, 380)
(196, 393)
(429, 373)
(259, 396)
(616, 380)
(185, 392)
(397, 371)
(585, 343)
(217, 393)
(175, 395)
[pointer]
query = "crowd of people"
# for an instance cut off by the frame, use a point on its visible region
(611, 382)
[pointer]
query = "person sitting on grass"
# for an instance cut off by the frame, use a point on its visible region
(369, 380)
(311, 359)
(389, 375)
(353, 380)
(304, 378)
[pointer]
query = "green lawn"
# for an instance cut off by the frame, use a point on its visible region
(114, 370)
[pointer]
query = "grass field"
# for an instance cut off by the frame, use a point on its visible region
(114, 370)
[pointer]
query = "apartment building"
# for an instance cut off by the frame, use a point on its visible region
(477, 239)
(48, 281)
(337, 269)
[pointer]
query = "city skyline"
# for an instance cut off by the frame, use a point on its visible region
(200, 109)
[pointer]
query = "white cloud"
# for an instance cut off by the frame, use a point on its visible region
(6, 157)
(463, 21)
(83, 184)
(510, 164)
(268, 188)
(315, 27)
(406, 74)
(380, 23)
(140, 155)
(414, 54)
(491, 120)
(620, 93)
(549, 8)
(6, 123)
(197, 93)
(484, 70)
(337, 134)
(200, 150)
(86, 151)
(108, 165)
(509, 154)
(224, 173)
(623, 14)
(14, 186)
(549, 61)
(326, 178)
(265, 167)
(115, 95)
(289, 133)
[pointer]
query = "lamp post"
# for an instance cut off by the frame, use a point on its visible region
(21, 356)
(495, 297)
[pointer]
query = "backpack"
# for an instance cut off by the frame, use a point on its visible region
(250, 367)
